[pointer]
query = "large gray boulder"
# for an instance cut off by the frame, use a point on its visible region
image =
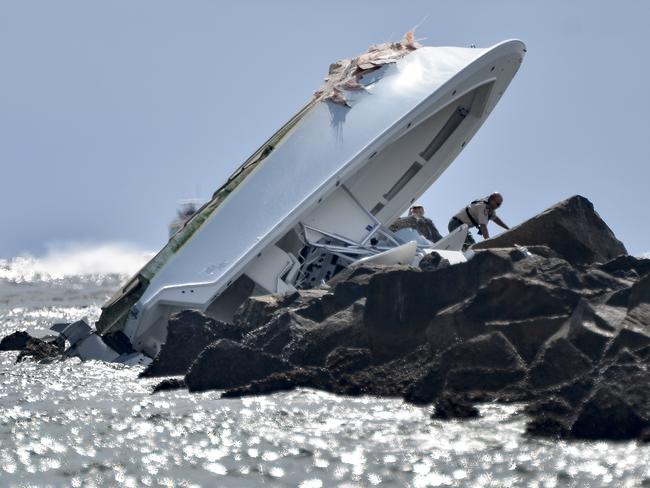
(342, 329)
(526, 311)
(228, 364)
(571, 228)
(188, 333)
(402, 303)
(588, 331)
(258, 310)
(280, 332)
(559, 362)
(487, 363)
(345, 288)
(607, 415)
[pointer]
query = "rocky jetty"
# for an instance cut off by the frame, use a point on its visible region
(552, 314)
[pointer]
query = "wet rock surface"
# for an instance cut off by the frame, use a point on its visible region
(41, 350)
(33, 348)
(225, 364)
(454, 407)
(562, 324)
(15, 342)
(188, 333)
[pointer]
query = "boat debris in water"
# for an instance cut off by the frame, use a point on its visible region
(374, 138)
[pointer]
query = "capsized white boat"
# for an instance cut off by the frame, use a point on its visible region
(319, 195)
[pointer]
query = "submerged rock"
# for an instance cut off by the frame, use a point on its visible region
(40, 350)
(454, 407)
(15, 342)
(170, 384)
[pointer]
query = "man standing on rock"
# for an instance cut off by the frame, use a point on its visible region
(416, 220)
(477, 214)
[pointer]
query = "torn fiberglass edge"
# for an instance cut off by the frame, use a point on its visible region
(380, 131)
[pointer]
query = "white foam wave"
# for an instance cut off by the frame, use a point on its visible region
(645, 255)
(75, 259)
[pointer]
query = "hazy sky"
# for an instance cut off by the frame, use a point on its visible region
(111, 112)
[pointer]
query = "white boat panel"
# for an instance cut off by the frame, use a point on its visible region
(403, 254)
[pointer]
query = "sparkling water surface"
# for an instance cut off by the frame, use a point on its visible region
(73, 423)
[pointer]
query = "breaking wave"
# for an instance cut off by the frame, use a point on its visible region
(74, 259)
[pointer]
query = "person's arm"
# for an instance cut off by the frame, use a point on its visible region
(500, 222)
(484, 231)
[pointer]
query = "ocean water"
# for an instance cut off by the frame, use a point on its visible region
(73, 423)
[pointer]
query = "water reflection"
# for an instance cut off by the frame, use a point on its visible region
(70, 423)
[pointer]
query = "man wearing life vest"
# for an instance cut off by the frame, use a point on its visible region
(477, 214)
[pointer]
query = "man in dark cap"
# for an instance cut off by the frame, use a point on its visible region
(477, 214)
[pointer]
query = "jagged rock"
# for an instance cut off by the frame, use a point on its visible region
(345, 288)
(513, 298)
(587, 282)
(623, 265)
(433, 261)
(428, 387)
(610, 403)
(640, 294)
(401, 304)
(634, 332)
(391, 378)
(258, 310)
(607, 415)
(283, 381)
(542, 251)
(528, 335)
(643, 354)
(15, 342)
(485, 363)
(347, 360)
(279, 333)
(588, 331)
(169, 384)
(550, 417)
(228, 364)
(571, 228)
(344, 328)
(573, 392)
(39, 350)
(188, 333)
(504, 300)
(489, 351)
(558, 362)
(454, 407)
(619, 298)
(631, 335)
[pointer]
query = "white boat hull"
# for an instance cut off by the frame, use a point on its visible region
(330, 183)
